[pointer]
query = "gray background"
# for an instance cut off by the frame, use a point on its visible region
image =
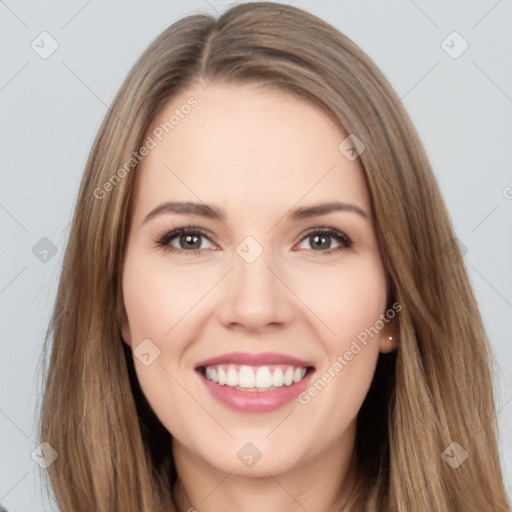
(51, 109)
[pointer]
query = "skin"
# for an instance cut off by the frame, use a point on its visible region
(254, 153)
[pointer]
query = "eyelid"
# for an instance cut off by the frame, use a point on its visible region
(345, 241)
(163, 240)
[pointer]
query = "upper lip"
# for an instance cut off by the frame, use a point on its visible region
(248, 359)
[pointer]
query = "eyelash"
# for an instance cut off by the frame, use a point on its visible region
(163, 240)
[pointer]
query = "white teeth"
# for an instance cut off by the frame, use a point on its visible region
(245, 377)
(277, 378)
(232, 377)
(263, 377)
(248, 378)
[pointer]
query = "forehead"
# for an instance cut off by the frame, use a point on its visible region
(246, 146)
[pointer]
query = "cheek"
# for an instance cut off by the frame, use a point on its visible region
(348, 298)
(155, 300)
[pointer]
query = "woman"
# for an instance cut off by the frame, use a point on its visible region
(262, 302)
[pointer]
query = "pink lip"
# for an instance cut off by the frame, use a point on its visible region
(255, 401)
(246, 358)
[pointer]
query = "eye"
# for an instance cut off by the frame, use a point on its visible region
(186, 240)
(190, 240)
(320, 240)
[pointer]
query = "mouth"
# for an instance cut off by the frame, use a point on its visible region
(254, 378)
(254, 383)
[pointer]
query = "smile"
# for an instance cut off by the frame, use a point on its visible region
(249, 378)
(254, 383)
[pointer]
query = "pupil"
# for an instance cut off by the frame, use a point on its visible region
(188, 241)
(324, 243)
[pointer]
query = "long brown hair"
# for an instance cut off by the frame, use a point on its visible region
(436, 390)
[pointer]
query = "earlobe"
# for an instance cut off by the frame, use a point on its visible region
(126, 337)
(388, 341)
(388, 344)
(125, 330)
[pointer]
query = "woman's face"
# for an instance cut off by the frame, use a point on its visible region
(258, 288)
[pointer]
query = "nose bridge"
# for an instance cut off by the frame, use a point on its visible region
(254, 295)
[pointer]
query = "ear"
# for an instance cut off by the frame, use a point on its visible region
(388, 337)
(125, 328)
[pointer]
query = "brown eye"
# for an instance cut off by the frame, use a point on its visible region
(184, 240)
(321, 240)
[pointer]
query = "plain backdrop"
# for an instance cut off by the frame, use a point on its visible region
(460, 102)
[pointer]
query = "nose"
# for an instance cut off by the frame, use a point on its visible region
(255, 295)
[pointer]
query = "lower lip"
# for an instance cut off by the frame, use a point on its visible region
(256, 401)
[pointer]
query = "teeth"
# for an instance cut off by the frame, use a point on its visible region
(288, 376)
(232, 377)
(263, 377)
(245, 377)
(250, 378)
(277, 378)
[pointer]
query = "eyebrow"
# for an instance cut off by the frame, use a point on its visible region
(212, 212)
